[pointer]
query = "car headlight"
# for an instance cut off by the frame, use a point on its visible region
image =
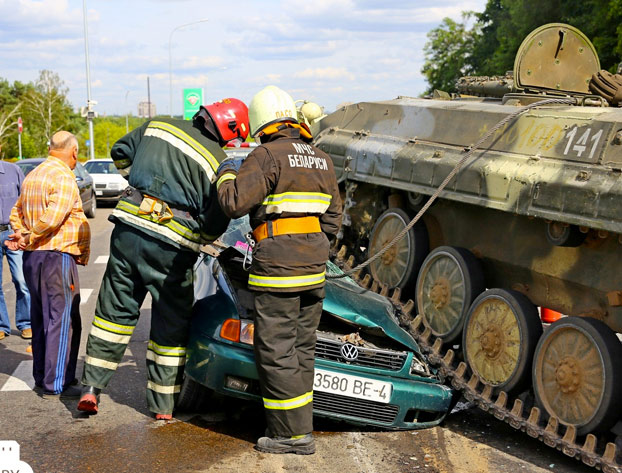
(239, 331)
(419, 367)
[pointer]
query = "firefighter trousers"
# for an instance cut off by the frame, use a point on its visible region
(139, 264)
(285, 326)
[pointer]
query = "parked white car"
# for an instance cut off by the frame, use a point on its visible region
(109, 184)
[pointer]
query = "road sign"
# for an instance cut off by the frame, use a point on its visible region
(193, 99)
(20, 126)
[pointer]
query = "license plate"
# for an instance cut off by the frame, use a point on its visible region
(99, 192)
(352, 386)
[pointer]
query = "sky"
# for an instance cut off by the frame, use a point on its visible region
(326, 51)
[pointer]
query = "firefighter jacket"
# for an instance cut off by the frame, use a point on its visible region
(282, 179)
(171, 167)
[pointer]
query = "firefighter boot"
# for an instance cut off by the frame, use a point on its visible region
(89, 401)
(300, 444)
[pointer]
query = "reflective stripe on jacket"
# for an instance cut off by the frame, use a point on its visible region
(285, 178)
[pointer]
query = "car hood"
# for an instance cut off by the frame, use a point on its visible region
(350, 302)
(345, 300)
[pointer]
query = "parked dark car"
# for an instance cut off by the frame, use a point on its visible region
(368, 370)
(83, 179)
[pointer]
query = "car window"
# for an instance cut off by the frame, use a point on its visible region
(27, 167)
(101, 167)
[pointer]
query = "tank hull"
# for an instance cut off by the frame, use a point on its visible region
(556, 164)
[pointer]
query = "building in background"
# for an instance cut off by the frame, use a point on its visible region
(146, 109)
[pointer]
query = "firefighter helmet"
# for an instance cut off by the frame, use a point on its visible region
(268, 106)
(230, 116)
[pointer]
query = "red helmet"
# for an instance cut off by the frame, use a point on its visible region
(230, 117)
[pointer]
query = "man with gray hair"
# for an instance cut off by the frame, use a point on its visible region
(51, 228)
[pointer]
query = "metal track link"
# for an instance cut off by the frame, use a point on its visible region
(518, 416)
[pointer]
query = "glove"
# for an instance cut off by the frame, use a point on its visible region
(608, 86)
(230, 164)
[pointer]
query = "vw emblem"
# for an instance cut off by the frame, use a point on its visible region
(349, 352)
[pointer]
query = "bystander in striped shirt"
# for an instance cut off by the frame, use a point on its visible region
(50, 209)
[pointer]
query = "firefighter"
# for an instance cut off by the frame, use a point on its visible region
(289, 188)
(168, 211)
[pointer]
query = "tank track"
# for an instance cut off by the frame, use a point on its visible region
(454, 372)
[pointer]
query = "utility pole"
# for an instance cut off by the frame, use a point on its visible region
(90, 113)
(20, 128)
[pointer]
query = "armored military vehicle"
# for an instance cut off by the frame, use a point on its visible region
(532, 220)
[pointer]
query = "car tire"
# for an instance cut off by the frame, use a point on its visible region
(192, 396)
(90, 212)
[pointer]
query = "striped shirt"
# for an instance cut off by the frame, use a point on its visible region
(50, 209)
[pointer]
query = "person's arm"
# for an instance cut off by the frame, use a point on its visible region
(214, 221)
(123, 151)
(18, 238)
(240, 191)
(16, 219)
(330, 221)
(63, 193)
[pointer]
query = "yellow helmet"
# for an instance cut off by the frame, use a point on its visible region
(311, 111)
(270, 105)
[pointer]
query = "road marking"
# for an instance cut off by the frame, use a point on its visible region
(84, 295)
(102, 259)
(21, 379)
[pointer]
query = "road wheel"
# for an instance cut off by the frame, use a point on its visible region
(398, 267)
(449, 279)
(501, 331)
(576, 374)
(192, 396)
(90, 211)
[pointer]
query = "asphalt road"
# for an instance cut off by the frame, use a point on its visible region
(123, 437)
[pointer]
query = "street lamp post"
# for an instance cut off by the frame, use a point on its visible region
(90, 113)
(170, 60)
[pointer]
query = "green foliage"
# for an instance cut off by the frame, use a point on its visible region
(493, 40)
(107, 131)
(47, 109)
(44, 109)
(447, 54)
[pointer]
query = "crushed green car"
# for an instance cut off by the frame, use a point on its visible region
(368, 370)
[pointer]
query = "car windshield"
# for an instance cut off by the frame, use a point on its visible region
(101, 167)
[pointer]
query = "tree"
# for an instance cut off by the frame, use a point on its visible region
(48, 102)
(107, 132)
(490, 46)
(447, 54)
(9, 108)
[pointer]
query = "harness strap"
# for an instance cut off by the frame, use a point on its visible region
(150, 205)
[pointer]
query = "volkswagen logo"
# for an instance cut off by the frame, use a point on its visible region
(349, 352)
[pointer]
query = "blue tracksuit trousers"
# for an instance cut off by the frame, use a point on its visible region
(52, 278)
